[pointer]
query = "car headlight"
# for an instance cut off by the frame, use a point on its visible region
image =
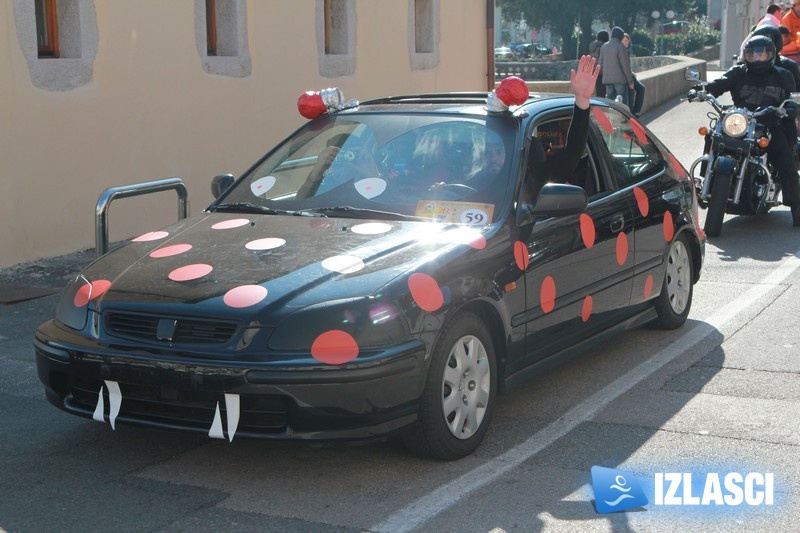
(735, 124)
(67, 312)
(371, 322)
(73, 308)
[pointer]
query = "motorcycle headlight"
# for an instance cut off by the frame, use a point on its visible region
(734, 125)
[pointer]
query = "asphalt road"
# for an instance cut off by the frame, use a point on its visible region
(719, 396)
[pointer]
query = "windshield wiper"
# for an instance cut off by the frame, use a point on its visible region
(358, 212)
(247, 207)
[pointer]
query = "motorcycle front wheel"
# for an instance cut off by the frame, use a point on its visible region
(720, 187)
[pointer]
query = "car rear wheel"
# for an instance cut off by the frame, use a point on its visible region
(675, 300)
(458, 400)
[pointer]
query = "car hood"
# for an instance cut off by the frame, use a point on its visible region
(242, 262)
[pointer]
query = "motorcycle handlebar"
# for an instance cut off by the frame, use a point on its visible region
(780, 111)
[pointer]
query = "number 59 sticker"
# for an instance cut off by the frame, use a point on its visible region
(474, 216)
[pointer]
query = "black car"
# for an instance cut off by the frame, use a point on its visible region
(382, 271)
(530, 49)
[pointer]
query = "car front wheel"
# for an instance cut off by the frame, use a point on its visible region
(458, 400)
(675, 300)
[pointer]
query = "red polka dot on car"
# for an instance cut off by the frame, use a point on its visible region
(344, 264)
(602, 120)
(638, 130)
(245, 296)
(229, 224)
(334, 347)
(648, 286)
(587, 230)
(521, 255)
(90, 291)
(425, 291)
(371, 228)
(168, 251)
(547, 294)
(676, 165)
(669, 227)
(622, 248)
(265, 244)
(586, 311)
(152, 236)
(190, 272)
(642, 201)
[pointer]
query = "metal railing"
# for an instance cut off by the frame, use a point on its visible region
(136, 189)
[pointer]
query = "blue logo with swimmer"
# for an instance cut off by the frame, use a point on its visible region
(616, 490)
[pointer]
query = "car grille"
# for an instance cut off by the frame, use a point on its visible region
(164, 329)
(184, 409)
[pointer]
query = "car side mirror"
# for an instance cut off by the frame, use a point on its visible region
(558, 200)
(221, 183)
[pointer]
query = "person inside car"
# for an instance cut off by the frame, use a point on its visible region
(543, 169)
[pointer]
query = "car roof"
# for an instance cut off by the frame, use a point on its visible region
(455, 102)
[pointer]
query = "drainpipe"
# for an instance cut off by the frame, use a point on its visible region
(490, 45)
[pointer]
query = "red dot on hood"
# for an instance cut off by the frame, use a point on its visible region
(244, 296)
(334, 347)
(190, 272)
(90, 291)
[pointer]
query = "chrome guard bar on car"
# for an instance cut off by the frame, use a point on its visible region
(136, 189)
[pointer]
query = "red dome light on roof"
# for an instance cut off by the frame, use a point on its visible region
(312, 104)
(512, 91)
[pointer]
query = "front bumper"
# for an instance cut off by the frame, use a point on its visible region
(225, 398)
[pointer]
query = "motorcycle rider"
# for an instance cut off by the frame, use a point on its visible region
(757, 83)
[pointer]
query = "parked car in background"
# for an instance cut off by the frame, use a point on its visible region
(503, 53)
(678, 26)
(526, 50)
(385, 270)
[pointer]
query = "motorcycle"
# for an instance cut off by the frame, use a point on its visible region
(735, 176)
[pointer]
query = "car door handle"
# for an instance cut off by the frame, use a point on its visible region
(617, 223)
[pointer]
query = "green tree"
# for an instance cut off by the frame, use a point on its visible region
(562, 16)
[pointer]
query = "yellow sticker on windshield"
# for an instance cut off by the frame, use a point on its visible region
(455, 212)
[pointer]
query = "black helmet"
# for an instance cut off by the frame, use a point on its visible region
(773, 33)
(759, 54)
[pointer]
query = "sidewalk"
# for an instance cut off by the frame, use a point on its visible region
(28, 281)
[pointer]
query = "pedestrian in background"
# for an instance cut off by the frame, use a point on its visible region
(594, 51)
(616, 66)
(635, 95)
(792, 21)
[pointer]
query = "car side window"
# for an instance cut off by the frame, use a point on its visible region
(547, 140)
(634, 156)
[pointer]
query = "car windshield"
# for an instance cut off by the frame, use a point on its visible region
(449, 168)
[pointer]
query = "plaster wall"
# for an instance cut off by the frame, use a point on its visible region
(149, 110)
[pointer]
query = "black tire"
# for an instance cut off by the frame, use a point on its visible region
(457, 403)
(675, 300)
(720, 189)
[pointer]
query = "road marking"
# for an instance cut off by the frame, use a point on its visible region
(430, 505)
